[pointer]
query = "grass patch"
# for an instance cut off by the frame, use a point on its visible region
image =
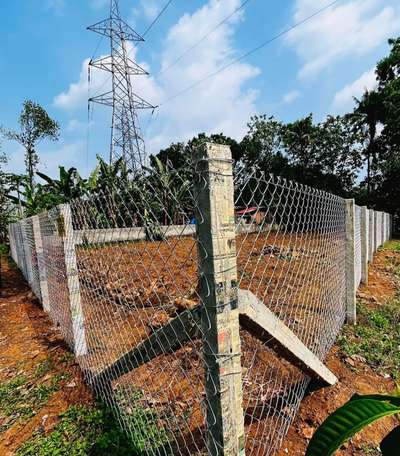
(21, 399)
(393, 244)
(82, 431)
(4, 250)
(376, 337)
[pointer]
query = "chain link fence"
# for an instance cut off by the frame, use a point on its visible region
(200, 306)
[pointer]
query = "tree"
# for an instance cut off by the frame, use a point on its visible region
(35, 125)
(262, 147)
(6, 210)
(365, 117)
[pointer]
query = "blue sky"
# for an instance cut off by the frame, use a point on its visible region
(318, 67)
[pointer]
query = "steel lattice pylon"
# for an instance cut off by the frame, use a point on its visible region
(126, 138)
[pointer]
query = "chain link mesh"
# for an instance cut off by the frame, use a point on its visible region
(121, 270)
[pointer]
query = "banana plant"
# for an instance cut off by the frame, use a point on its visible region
(68, 186)
(360, 411)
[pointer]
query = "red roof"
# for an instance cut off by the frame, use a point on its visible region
(246, 211)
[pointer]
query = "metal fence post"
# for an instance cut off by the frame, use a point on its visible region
(364, 244)
(218, 279)
(78, 324)
(350, 263)
(44, 289)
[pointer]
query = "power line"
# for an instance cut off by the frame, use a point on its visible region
(247, 54)
(206, 35)
(156, 18)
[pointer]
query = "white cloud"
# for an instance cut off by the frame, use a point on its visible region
(98, 4)
(344, 98)
(219, 104)
(75, 125)
(222, 104)
(352, 28)
(291, 96)
(77, 94)
(56, 5)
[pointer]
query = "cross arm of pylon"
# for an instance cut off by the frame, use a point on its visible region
(107, 64)
(116, 27)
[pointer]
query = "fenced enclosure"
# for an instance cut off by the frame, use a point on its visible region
(200, 307)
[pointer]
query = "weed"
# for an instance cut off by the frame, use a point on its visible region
(44, 368)
(3, 250)
(20, 399)
(66, 357)
(142, 421)
(82, 431)
(376, 337)
(371, 451)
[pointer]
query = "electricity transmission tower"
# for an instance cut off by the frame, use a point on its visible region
(126, 137)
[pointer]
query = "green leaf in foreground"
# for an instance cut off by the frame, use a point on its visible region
(346, 421)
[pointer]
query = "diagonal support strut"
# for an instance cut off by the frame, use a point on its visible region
(254, 316)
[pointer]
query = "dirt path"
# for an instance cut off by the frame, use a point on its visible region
(32, 350)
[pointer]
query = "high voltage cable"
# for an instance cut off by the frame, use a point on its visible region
(206, 35)
(156, 18)
(247, 54)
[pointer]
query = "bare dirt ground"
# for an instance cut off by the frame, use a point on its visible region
(31, 348)
(28, 340)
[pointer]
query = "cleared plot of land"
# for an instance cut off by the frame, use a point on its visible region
(130, 290)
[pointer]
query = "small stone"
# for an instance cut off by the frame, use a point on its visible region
(308, 432)
(350, 361)
(71, 385)
(358, 358)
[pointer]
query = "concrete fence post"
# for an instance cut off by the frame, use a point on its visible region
(364, 244)
(376, 218)
(78, 323)
(219, 295)
(383, 227)
(44, 289)
(350, 263)
(371, 239)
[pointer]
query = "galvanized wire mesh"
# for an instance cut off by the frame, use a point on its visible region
(294, 240)
(119, 274)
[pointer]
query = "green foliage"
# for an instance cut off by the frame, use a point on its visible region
(69, 186)
(326, 155)
(35, 125)
(82, 431)
(376, 337)
(143, 423)
(20, 398)
(346, 421)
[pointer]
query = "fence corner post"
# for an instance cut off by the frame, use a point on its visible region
(78, 324)
(44, 289)
(214, 191)
(364, 244)
(351, 312)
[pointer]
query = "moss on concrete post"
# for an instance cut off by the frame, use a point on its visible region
(220, 316)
